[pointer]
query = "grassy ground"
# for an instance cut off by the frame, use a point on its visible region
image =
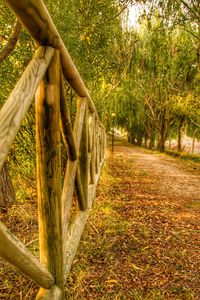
(141, 240)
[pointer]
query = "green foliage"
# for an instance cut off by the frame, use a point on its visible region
(92, 34)
(148, 76)
(12, 68)
(163, 81)
(184, 155)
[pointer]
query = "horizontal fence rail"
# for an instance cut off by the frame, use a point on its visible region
(60, 223)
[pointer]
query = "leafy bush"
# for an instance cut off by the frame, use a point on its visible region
(184, 155)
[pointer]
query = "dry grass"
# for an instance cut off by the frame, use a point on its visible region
(21, 219)
(141, 241)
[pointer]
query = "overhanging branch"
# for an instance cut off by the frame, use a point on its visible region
(12, 41)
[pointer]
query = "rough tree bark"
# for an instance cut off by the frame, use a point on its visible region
(12, 41)
(7, 193)
(161, 133)
(180, 125)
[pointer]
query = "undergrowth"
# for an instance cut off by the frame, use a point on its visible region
(184, 155)
(140, 242)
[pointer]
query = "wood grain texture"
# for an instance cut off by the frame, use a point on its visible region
(76, 229)
(79, 190)
(15, 108)
(101, 144)
(83, 156)
(93, 151)
(97, 147)
(90, 129)
(66, 126)
(34, 15)
(49, 170)
(16, 253)
(54, 293)
(104, 143)
(11, 43)
(69, 180)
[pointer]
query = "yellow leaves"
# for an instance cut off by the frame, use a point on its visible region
(107, 210)
(111, 281)
(189, 98)
(136, 268)
(198, 76)
(183, 100)
(81, 276)
(85, 37)
(184, 104)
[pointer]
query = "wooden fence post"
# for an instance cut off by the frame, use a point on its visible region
(65, 123)
(83, 158)
(49, 172)
(104, 143)
(68, 186)
(101, 144)
(92, 160)
(97, 146)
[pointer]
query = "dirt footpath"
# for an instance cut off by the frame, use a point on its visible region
(180, 178)
(143, 238)
(170, 177)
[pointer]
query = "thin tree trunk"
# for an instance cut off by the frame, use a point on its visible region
(161, 139)
(193, 144)
(139, 139)
(162, 144)
(193, 141)
(170, 142)
(133, 138)
(12, 41)
(181, 120)
(7, 193)
(151, 136)
(145, 140)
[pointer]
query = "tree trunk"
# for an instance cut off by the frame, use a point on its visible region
(152, 142)
(162, 144)
(161, 138)
(181, 120)
(151, 133)
(139, 139)
(170, 142)
(145, 140)
(193, 141)
(133, 139)
(7, 193)
(8, 48)
(152, 139)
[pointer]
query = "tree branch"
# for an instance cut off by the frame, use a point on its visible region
(194, 122)
(12, 41)
(190, 8)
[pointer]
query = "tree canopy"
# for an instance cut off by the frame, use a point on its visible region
(147, 73)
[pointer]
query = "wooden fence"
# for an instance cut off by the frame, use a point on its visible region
(59, 229)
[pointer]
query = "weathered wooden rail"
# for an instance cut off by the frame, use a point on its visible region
(59, 229)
